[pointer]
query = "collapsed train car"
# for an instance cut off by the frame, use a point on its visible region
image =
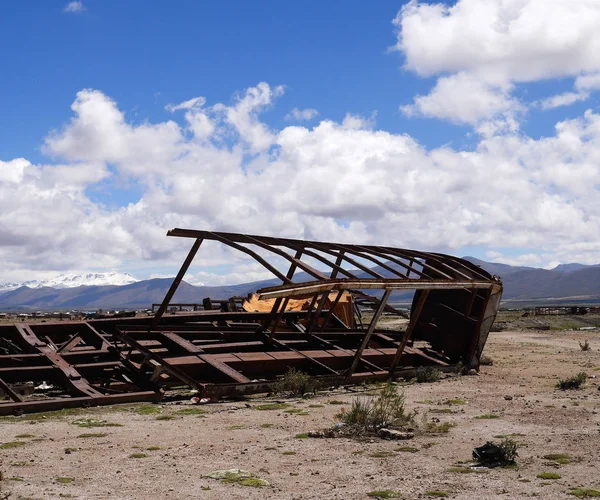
(323, 315)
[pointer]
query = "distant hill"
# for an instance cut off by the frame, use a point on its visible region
(567, 283)
(141, 294)
(576, 283)
(501, 270)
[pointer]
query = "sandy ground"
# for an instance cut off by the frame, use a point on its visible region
(519, 389)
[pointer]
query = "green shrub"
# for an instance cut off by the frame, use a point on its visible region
(295, 383)
(368, 415)
(575, 382)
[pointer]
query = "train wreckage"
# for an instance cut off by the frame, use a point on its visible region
(314, 320)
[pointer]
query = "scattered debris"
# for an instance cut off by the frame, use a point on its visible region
(495, 455)
(395, 434)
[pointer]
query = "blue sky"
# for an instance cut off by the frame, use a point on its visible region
(461, 91)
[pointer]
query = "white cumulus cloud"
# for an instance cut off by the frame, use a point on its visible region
(481, 49)
(334, 181)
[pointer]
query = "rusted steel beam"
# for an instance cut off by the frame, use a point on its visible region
(75, 402)
(149, 355)
(210, 360)
(184, 267)
(9, 392)
(70, 344)
(254, 255)
(368, 333)
(304, 355)
(341, 251)
(332, 307)
(411, 326)
(309, 288)
(273, 329)
(453, 264)
(369, 256)
(314, 318)
(72, 378)
(475, 337)
(407, 264)
(293, 260)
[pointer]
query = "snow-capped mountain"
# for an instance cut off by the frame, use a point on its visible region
(74, 280)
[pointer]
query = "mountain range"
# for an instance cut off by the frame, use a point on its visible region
(567, 283)
(74, 280)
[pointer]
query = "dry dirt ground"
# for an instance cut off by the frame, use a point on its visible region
(519, 390)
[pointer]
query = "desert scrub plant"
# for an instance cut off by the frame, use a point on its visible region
(147, 410)
(407, 449)
(11, 444)
(585, 346)
(451, 402)
(584, 493)
(191, 411)
(548, 475)
(559, 458)
(368, 415)
(497, 454)
(272, 406)
(295, 383)
(427, 374)
(575, 382)
(384, 494)
(438, 428)
(64, 480)
(93, 435)
(509, 451)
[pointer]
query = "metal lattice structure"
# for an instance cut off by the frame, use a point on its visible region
(312, 318)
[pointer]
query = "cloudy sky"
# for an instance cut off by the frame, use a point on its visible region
(468, 127)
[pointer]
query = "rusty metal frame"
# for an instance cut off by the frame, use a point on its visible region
(228, 351)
